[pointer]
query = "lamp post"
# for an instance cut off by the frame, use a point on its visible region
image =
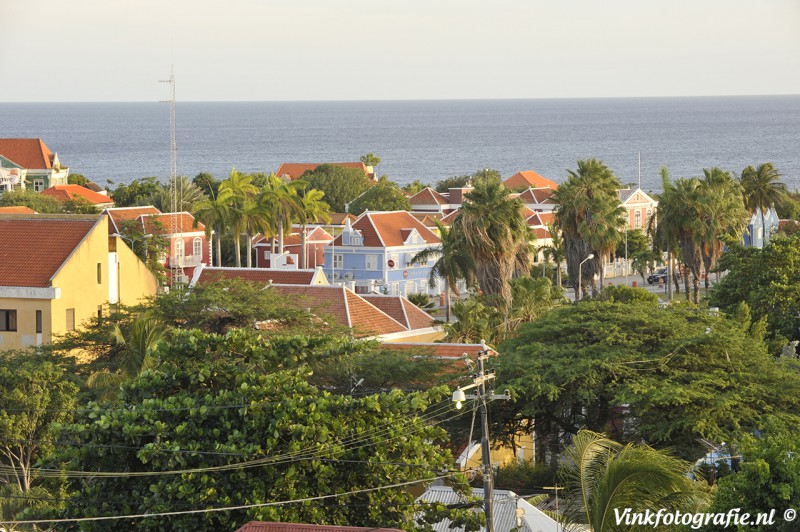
(579, 296)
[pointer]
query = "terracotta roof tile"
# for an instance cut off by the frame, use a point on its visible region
(184, 221)
(385, 229)
(32, 154)
(17, 209)
(257, 275)
(338, 218)
(529, 178)
(33, 247)
(537, 195)
(118, 215)
(293, 171)
(345, 306)
(402, 310)
(70, 192)
(428, 196)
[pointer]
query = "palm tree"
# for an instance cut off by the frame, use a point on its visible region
(532, 297)
(452, 263)
(312, 208)
(135, 356)
(213, 213)
(679, 215)
(494, 232)
(601, 475)
(589, 216)
(762, 189)
(555, 251)
(284, 203)
(187, 195)
(664, 233)
(240, 189)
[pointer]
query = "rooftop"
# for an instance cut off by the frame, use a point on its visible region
(386, 229)
(70, 192)
(27, 153)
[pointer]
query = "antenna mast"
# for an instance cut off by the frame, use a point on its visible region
(175, 262)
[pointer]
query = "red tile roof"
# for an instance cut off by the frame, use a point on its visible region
(17, 209)
(118, 215)
(262, 526)
(338, 218)
(344, 306)
(33, 247)
(70, 192)
(32, 154)
(428, 196)
(537, 195)
(257, 275)
(184, 223)
(318, 234)
(294, 170)
(529, 178)
(402, 310)
(385, 229)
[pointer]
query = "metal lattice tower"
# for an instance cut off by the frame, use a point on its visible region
(174, 188)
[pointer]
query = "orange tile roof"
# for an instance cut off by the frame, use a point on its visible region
(385, 229)
(118, 215)
(33, 247)
(529, 178)
(345, 306)
(401, 310)
(428, 196)
(257, 275)
(184, 221)
(70, 192)
(295, 170)
(17, 209)
(32, 154)
(263, 526)
(448, 219)
(338, 218)
(318, 234)
(537, 195)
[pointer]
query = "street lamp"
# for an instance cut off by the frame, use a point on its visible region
(580, 279)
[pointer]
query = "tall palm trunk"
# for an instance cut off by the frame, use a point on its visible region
(249, 236)
(219, 246)
(669, 275)
(303, 246)
(280, 237)
(446, 300)
(763, 229)
(237, 239)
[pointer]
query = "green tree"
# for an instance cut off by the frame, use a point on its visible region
(147, 246)
(530, 298)
(447, 183)
(769, 478)
(664, 231)
(284, 203)
(491, 228)
(414, 187)
(602, 476)
(384, 195)
(453, 263)
(555, 251)
(213, 213)
(370, 159)
(187, 195)
(643, 262)
(137, 192)
(35, 395)
(312, 208)
(238, 191)
(253, 437)
(768, 280)
(208, 184)
(28, 198)
(762, 188)
(589, 217)
(475, 320)
(637, 241)
(341, 185)
(77, 179)
(422, 301)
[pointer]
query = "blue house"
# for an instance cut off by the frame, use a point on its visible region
(373, 255)
(755, 235)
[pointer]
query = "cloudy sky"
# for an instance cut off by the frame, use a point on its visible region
(117, 50)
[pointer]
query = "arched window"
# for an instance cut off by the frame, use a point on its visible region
(179, 249)
(197, 247)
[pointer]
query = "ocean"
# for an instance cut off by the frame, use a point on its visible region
(426, 140)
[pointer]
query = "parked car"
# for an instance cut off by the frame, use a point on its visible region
(660, 275)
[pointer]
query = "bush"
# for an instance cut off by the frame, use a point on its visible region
(626, 294)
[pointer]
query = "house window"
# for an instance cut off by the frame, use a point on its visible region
(99, 273)
(372, 262)
(38, 185)
(197, 247)
(338, 261)
(99, 313)
(8, 320)
(70, 319)
(179, 249)
(38, 322)
(162, 257)
(637, 219)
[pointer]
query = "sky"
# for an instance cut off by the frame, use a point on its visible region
(275, 50)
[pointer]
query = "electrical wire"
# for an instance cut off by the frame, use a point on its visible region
(226, 508)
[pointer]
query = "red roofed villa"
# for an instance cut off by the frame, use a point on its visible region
(42, 168)
(64, 193)
(292, 171)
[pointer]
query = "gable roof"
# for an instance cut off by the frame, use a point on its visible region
(402, 310)
(338, 218)
(385, 229)
(118, 215)
(33, 247)
(70, 192)
(315, 236)
(17, 209)
(263, 526)
(537, 195)
(345, 306)
(184, 223)
(28, 153)
(634, 195)
(293, 171)
(529, 178)
(265, 276)
(428, 196)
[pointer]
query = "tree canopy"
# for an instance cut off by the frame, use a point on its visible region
(340, 184)
(384, 195)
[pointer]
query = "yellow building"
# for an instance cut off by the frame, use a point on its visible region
(58, 271)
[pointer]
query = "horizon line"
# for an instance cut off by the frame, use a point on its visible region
(562, 98)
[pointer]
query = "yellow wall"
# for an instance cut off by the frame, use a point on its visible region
(80, 290)
(503, 455)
